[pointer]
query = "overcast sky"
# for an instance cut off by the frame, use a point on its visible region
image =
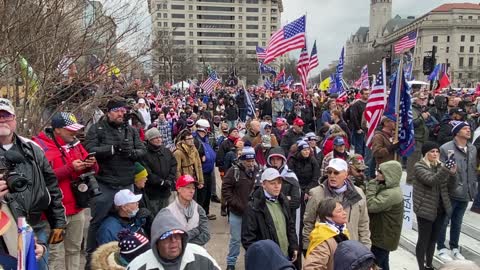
(331, 22)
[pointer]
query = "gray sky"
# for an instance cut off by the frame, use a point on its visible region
(331, 22)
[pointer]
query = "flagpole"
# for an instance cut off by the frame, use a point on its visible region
(398, 88)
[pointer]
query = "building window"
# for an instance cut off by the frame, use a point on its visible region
(209, 8)
(460, 62)
(240, 9)
(214, 25)
(165, 15)
(252, 1)
(264, 27)
(215, 34)
(190, 7)
(264, 44)
(252, 43)
(252, 18)
(240, 51)
(165, 24)
(159, 6)
(190, 25)
(472, 38)
(216, 42)
(178, 7)
(240, 26)
(264, 10)
(179, 42)
(240, 17)
(470, 62)
(252, 9)
(177, 24)
(470, 17)
(190, 16)
(240, 43)
(435, 39)
(252, 26)
(264, 35)
(448, 38)
(252, 35)
(470, 75)
(216, 17)
(460, 17)
(462, 49)
(462, 38)
(264, 19)
(190, 42)
(472, 49)
(178, 34)
(459, 75)
(240, 35)
(191, 33)
(164, 5)
(447, 50)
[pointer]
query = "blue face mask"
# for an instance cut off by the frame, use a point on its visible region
(133, 213)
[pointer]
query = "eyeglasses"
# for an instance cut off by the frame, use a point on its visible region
(332, 171)
(6, 117)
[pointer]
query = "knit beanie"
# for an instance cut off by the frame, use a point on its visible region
(427, 146)
(232, 130)
(152, 134)
(457, 126)
(247, 153)
(132, 244)
(115, 104)
(140, 172)
(302, 145)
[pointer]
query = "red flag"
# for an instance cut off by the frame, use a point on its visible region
(443, 82)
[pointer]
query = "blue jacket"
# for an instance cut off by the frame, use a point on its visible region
(113, 224)
(266, 254)
(205, 149)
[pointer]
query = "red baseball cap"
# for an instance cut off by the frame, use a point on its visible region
(185, 180)
(298, 122)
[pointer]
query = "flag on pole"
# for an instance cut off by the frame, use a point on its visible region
(268, 84)
(289, 81)
(260, 53)
(338, 77)
(191, 88)
(444, 81)
(288, 38)
(303, 68)
(364, 77)
(376, 104)
(406, 137)
(407, 42)
(281, 75)
(249, 104)
(325, 84)
(209, 84)
(313, 57)
(266, 69)
(26, 246)
(434, 75)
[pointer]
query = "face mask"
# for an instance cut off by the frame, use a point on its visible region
(133, 213)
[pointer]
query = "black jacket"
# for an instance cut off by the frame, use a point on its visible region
(290, 139)
(116, 169)
(161, 166)
(356, 112)
(42, 193)
(445, 132)
(257, 222)
(306, 169)
(224, 148)
(236, 188)
(266, 107)
(231, 112)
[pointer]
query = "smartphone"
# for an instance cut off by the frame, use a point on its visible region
(90, 155)
(450, 154)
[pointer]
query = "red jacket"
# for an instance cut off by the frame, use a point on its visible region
(328, 146)
(62, 166)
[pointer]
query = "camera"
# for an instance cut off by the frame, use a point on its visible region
(88, 179)
(16, 182)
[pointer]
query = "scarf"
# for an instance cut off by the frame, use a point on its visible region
(187, 211)
(341, 189)
(270, 197)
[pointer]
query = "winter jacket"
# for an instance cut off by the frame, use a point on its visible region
(307, 171)
(266, 107)
(266, 254)
(385, 207)
(113, 224)
(107, 256)
(322, 247)
(343, 125)
(289, 139)
(161, 166)
(382, 147)
(351, 253)
(231, 113)
(328, 144)
(445, 130)
(253, 138)
(258, 224)
(188, 162)
(421, 129)
(354, 203)
(116, 169)
(430, 190)
(195, 226)
(193, 257)
(356, 112)
(60, 159)
(224, 148)
(42, 195)
(205, 150)
(236, 188)
(277, 105)
(464, 188)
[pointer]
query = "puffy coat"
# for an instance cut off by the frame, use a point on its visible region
(258, 224)
(188, 162)
(385, 207)
(289, 139)
(161, 166)
(307, 170)
(430, 187)
(328, 143)
(107, 256)
(42, 194)
(116, 169)
(205, 150)
(266, 254)
(61, 161)
(113, 224)
(250, 137)
(354, 203)
(464, 188)
(231, 113)
(224, 148)
(236, 192)
(382, 147)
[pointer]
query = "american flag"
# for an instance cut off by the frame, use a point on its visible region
(209, 84)
(303, 68)
(405, 43)
(260, 53)
(313, 57)
(288, 38)
(376, 104)
(364, 77)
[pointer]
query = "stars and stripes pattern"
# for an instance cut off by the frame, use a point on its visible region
(288, 38)
(303, 66)
(376, 104)
(407, 42)
(261, 54)
(313, 57)
(132, 245)
(365, 83)
(209, 84)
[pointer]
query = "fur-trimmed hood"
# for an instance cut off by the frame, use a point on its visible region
(104, 258)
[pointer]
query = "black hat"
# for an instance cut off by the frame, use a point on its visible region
(427, 146)
(457, 110)
(232, 130)
(115, 104)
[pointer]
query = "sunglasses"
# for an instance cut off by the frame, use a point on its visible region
(332, 172)
(360, 171)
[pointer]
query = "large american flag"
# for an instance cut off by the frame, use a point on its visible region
(209, 84)
(288, 38)
(313, 57)
(365, 84)
(407, 42)
(303, 66)
(260, 53)
(376, 104)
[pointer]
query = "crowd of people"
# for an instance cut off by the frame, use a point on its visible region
(299, 187)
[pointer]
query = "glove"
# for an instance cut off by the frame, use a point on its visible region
(450, 163)
(56, 236)
(124, 148)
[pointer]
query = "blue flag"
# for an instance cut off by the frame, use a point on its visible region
(406, 134)
(249, 104)
(268, 84)
(266, 69)
(434, 75)
(338, 78)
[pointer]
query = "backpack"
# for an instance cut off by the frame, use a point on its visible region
(210, 156)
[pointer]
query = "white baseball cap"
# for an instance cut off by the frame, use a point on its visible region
(141, 101)
(125, 196)
(270, 174)
(338, 164)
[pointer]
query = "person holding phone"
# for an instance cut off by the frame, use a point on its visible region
(69, 160)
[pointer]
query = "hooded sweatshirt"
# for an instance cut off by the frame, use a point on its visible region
(266, 254)
(192, 256)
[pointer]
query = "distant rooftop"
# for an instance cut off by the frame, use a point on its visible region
(450, 7)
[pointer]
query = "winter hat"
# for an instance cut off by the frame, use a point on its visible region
(66, 120)
(302, 145)
(232, 130)
(427, 146)
(140, 172)
(247, 153)
(338, 141)
(457, 125)
(190, 122)
(132, 244)
(113, 105)
(352, 254)
(152, 134)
